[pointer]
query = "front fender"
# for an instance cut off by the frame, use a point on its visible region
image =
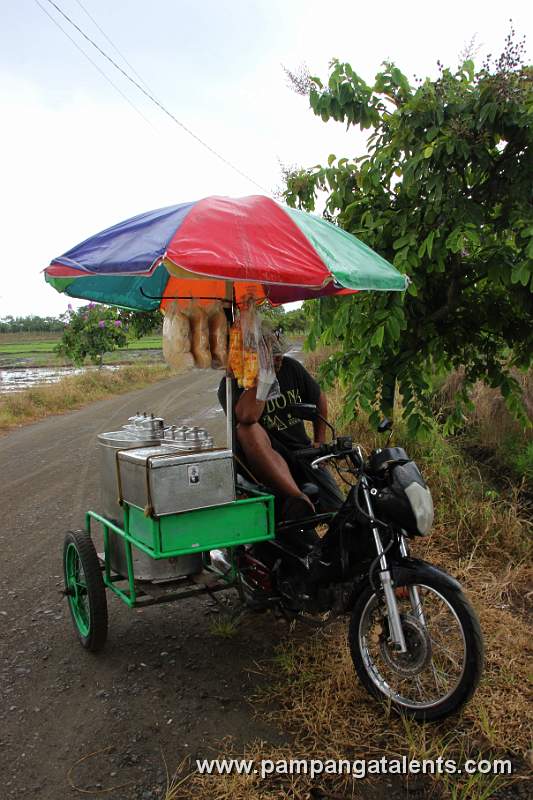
(410, 570)
(419, 570)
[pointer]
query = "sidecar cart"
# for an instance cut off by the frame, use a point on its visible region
(170, 506)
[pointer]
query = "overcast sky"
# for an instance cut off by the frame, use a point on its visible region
(76, 157)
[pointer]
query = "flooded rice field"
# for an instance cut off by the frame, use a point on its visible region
(16, 379)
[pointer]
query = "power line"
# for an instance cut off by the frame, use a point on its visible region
(113, 45)
(95, 65)
(154, 99)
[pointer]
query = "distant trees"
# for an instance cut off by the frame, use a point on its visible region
(31, 324)
(295, 321)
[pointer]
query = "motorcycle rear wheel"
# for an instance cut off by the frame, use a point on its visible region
(444, 659)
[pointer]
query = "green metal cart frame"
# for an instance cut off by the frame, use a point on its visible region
(241, 522)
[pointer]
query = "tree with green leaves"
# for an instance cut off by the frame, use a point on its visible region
(444, 192)
(294, 321)
(93, 330)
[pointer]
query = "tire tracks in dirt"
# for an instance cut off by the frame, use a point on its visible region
(163, 680)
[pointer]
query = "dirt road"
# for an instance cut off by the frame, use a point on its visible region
(165, 683)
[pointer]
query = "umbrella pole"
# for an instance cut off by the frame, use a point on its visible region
(230, 411)
(230, 428)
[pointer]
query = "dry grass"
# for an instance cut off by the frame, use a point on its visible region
(314, 358)
(489, 426)
(491, 433)
(493, 422)
(484, 539)
(73, 392)
(187, 784)
(328, 715)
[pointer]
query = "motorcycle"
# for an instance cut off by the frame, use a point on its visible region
(414, 638)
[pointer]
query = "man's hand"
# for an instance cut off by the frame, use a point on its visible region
(322, 464)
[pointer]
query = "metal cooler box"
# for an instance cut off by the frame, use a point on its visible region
(163, 480)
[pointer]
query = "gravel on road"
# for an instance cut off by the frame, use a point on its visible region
(165, 686)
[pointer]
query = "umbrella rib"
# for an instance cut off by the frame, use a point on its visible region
(330, 279)
(178, 297)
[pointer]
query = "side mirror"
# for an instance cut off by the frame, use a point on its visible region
(385, 425)
(304, 411)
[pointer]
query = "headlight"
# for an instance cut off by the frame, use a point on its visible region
(422, 506)
(407, 500)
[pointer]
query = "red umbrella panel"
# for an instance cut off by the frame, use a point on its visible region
(217, 246)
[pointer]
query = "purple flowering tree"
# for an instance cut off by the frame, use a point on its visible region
(94, 329)
(90, 332)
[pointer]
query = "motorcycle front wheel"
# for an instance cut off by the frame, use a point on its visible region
(444, 660)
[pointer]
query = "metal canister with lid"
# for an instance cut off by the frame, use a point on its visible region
(110, 443)
(141, 430)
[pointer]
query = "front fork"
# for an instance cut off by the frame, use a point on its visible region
(414, 597)
(395, 623)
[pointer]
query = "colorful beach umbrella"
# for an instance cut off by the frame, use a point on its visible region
(220, 247)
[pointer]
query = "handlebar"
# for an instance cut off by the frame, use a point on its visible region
(314, 452)
(341, 447)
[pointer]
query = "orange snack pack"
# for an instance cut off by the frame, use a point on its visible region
(235, 357)
(250, 340)
(251, 368)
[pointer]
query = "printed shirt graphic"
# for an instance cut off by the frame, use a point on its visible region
(296, 386)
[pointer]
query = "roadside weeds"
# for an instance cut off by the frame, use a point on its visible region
(74, 392)
(481, 536)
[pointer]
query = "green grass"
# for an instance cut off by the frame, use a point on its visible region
(523, 461)
(27, 336)
(225, 627)
(29, 347)
(146, 343)
(39, 350)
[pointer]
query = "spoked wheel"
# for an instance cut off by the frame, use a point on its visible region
(85, 590)
(444, 658)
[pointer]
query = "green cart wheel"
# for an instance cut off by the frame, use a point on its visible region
(85, 590)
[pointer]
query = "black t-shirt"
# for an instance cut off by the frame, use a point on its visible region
(297, 386)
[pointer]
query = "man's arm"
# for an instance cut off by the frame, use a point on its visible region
(248, 409)
(268, 466)
(319, 427)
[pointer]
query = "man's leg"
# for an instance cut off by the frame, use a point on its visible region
(266, 464)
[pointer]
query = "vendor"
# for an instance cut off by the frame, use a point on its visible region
(268, 435)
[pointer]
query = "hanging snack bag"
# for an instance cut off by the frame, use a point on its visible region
(267, 382)
(218, 336)
(177, 339)
(199, 336)
(235, 355)
(250, 340)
